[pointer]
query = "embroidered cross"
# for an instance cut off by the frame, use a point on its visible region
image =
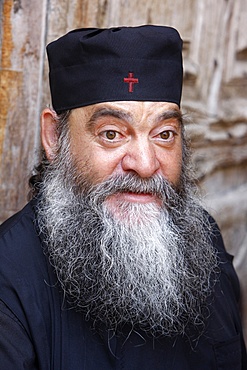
(131, 81)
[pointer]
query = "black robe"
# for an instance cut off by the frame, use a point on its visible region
(38, 331)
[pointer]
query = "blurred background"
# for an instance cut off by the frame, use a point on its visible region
(214, 95)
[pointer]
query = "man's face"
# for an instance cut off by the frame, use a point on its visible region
(118, 138)
(123, 227)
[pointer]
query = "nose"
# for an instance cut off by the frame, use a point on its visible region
(141, 158)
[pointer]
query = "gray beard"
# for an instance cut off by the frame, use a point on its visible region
(150, 267)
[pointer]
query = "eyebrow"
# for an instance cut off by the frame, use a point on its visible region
(119, 114)
(170, 114)
(104, 112)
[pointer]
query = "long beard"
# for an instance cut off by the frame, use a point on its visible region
(151, 266)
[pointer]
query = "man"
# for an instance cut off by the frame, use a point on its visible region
(114, 264)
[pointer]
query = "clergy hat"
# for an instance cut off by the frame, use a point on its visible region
(91, 65)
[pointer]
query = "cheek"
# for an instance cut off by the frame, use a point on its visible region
(106, 164)
(176, 168)
(171, 166)
(97, 164)
(81, 156)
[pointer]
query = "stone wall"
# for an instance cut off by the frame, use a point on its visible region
(214, 96)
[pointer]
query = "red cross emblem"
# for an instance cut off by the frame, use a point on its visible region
(131, 81)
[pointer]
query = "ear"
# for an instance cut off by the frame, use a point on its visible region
(49, 132)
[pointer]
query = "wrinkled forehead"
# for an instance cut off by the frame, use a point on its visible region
(129, 111)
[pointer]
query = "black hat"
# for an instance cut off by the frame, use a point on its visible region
(90, 65)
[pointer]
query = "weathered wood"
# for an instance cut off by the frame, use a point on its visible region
(215, 93)
(22, 48)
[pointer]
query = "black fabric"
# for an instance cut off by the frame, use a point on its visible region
(16, 349)
(39, 332)
(89, 66)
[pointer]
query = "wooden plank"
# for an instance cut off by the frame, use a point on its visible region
(20, 93)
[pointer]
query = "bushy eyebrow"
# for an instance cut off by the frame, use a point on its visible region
(170, 114)
(119, 114)
(105, 112)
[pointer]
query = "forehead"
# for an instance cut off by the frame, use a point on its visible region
(129, 110)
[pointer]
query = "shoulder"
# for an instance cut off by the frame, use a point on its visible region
(19, 221)
(21, 252)
(225, 259)
(22, 256)
(224, 330)
(20, 245)
(27, 280)
(18, 235)
(216, 235)
(228, 274)
(23, 265)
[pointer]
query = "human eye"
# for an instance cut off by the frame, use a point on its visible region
(110, 136)
(166, 135)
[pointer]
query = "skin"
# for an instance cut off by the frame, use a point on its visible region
(121, 137)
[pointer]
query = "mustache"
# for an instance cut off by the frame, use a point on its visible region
(156, 185)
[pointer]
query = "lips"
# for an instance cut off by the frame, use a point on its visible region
(140, 198)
